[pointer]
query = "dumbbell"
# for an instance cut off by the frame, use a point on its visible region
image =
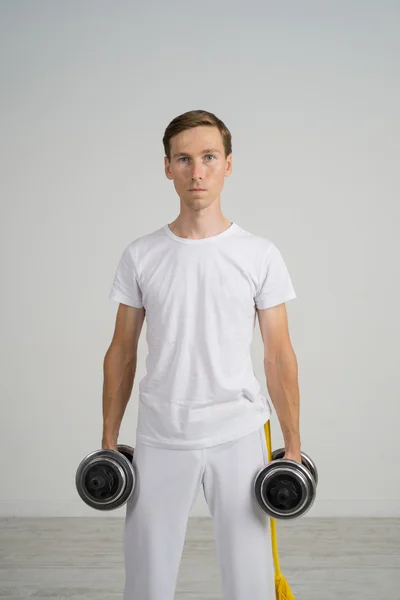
(105, 479)
(286, 489)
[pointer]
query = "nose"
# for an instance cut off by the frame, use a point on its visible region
(197, 171)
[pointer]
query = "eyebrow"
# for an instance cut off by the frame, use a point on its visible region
(204, 152)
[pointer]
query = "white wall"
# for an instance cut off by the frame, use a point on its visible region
(310, 92)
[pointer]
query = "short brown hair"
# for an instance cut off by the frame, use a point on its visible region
(196, 118)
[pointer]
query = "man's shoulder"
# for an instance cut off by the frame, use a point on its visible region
(258, 242)
(147, 239)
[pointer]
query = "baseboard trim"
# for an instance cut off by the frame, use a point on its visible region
(76, 508)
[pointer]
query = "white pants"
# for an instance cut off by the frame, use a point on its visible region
(168, 483)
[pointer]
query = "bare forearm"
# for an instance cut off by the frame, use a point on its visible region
(283, 388)
(119, 374)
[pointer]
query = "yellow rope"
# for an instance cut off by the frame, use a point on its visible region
(282, 589)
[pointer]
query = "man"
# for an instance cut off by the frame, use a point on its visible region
(200, 282)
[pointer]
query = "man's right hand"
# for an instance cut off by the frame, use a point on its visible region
(109, 444)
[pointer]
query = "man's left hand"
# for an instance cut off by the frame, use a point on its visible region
(293, 456)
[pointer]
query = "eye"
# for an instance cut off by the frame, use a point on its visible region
(185, 157)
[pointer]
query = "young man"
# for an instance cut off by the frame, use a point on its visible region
(200, 282)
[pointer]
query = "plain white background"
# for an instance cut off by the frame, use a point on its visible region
(310, 93)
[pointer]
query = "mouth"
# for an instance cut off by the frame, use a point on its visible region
(197, 190)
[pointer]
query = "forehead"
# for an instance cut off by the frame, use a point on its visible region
(196, 140)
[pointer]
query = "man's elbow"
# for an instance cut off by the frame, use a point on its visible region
(282, 357)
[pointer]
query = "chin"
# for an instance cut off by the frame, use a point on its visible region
(195, 200)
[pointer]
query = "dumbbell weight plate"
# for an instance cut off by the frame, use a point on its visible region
(305, 459)
(127, 451)
(105, 479)
(285, 489)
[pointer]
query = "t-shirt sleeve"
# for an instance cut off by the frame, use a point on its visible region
(125, 288)
(275, 285)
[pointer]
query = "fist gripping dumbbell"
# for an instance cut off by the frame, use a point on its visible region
(105, 479)
(286, 489)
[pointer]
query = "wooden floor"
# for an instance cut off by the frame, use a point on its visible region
(82, 559)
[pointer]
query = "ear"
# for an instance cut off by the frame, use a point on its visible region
(228, 168)
(167, 168)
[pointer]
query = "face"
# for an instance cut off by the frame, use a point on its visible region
(198, 161)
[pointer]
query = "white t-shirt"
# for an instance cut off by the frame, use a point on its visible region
(200, 298)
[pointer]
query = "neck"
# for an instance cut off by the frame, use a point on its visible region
(199, 228)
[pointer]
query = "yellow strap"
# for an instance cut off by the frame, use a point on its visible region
(267, 428)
